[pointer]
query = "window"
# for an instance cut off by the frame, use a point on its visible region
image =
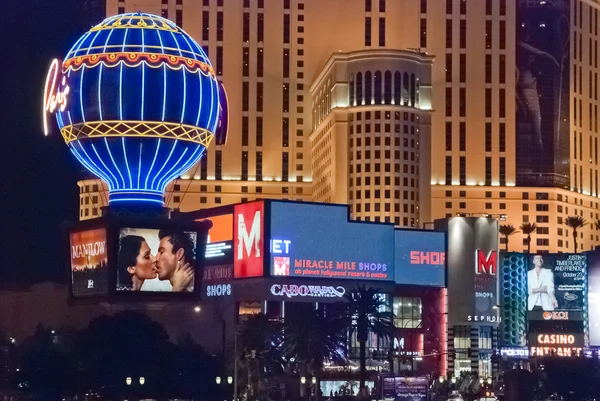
(244, 165)
(542, 207)
(285, 166)
(448, 67)
(543, 242)
(179, 18)
(259, 62)
(218, 165)
(368, 31)
(502, 137)
(488, 102)
(244, 131)
(488, 137)
(463, 68)
(462, 337)
(260, 31)
(448, 6)
(488, 171)
(542, 219)
(286, 28)
(219, 26)
(502, 34)
(462, 135)
(259, 131)
(245, 96)
(502, 69)
(205, 21)
(448, 102)
(382, 32)
(286, 132)
(423, 36)
(407, 312)
(502, 171)
(448, 170)
(463, 170)
(463, 32)
(448, 135)
(259, 96)
(220, 60)
(449, 34)
(485, 337)
(488, 34)
(462, 103)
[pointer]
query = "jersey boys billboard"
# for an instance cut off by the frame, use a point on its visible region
(309, 240)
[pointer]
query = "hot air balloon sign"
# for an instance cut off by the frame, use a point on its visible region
(137, 102)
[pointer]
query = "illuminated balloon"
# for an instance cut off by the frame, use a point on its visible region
(137, 102)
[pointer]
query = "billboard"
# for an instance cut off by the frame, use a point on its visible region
(219, 244)
(543, 93)
(420, 257)
(248, 239)
(310, 240)
(556, 344)
(556, 285)
(472, 260)
(594, 296)
(152, 260)
(340, 388)
(405, 388)
(89, 262)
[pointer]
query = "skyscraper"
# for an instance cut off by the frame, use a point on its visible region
(510, 125)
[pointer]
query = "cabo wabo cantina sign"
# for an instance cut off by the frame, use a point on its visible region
(312, 291)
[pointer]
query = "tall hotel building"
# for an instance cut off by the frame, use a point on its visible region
(408, 111)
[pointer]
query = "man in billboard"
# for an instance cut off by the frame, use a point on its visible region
(175, 260)
(540, 287)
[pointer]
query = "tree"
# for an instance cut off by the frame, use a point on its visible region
(507, 230)
(527, 229)
(367, 312)
(259, 347)
(575, 223)
(597, 224)
(311, 338)
(127, 344)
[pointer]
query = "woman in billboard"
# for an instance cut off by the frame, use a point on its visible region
(136, 263)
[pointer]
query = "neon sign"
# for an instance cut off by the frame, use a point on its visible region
(427, 258)
(486, 264)
(55, 93)
(318, 291)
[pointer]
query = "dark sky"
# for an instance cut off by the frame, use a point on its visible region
(39, 176)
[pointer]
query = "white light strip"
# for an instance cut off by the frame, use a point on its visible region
(152, 165)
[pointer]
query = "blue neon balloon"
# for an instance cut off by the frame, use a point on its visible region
(143, 103)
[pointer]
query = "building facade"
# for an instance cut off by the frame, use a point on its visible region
(513, 119)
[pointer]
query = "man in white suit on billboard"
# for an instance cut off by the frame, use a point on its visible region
(540, 287)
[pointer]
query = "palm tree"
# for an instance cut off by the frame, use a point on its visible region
(507, 230)
(367, 312)
(528, 229)
(311, 338)
(575, 222)
(259, 351)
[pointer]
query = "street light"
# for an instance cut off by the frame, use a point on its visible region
(229, 379)
(481, 380)
(142, 381)
(314, 380)
(489, 380)
(128, 381)
(453, 379)
(218, 380)
(303, 380)
(197, 309)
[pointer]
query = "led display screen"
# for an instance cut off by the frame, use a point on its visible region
(594, 296)
(219, 245)
(420, 258)
(248, 239)
(405, 388)
(556, 285)
(89, 262)
(152, 260)
(339, 388)
(309, 240)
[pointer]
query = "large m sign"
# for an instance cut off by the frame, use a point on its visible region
(486, 263)
(248, 239)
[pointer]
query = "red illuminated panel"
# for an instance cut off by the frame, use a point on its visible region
(88, 249)
(248, 237)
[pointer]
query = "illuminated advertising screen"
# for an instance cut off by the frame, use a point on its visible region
(556, 285)
(556, 344)
(543, 92)
(405, 388)
(309, 240)
(248, 239)
(420, 258)
(89, 262)
(219, 246)
(339, 388)
(152, 260)
(593, 259)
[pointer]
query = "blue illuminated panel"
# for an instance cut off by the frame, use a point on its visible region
(309, 240)
(420, 258)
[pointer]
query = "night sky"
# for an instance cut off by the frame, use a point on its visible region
(39, 175)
